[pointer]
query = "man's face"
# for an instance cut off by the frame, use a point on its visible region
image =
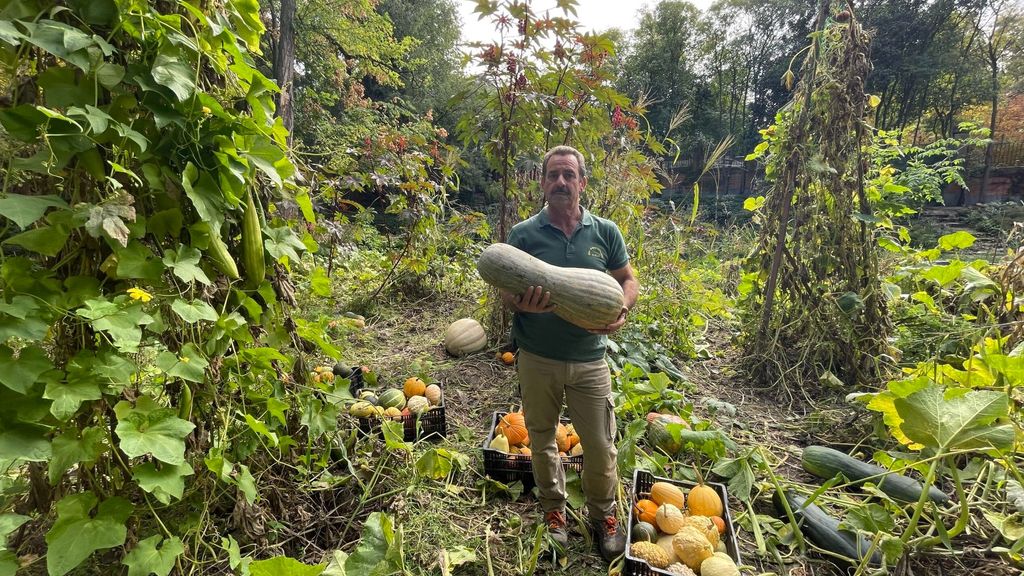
(561, 182)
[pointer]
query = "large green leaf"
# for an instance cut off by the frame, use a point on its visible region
(956, 241)
(9, 523)
(164, 483)
(944, 274)
(202, 190)
(319, 282)
(371, 557)
(247, 484)
(70, 449)
(25, 210)
(189, 364)
(22, 318)
(146, 558)
(22, 121)
(68, 396)
(148, 428)
(61, 40)
(170, 71)
(283, 566)
(19, 374)
(78, 532)
(9, 564)
(336, 566)
(248, 25)
(437, 463)
(19, 441)
(282, 242)
(120, 320)
(99, 12)
(318, 417)
(260, 427)
(117, 370)
(956, 419)
(185, 263)
(138, 261)
(46, 240)
(194, 311)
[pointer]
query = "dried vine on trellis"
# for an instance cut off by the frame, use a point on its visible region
(817, 298)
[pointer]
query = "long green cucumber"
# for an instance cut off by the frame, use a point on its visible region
(221, 258)
(823, 529)
(826, 462)
(252, 244)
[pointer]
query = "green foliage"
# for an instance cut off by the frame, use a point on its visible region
(78, 531)
(147, 127)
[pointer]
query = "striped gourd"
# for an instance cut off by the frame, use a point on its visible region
(587, 298)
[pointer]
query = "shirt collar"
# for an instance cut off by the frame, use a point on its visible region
(586, 220)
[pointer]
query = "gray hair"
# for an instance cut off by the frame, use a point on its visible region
(564, 151)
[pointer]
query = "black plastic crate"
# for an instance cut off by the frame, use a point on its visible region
(642, 482)
(508, 468)
(432, 423)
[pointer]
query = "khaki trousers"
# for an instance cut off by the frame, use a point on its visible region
(586, 389)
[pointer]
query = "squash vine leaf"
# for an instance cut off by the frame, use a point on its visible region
(78, 533)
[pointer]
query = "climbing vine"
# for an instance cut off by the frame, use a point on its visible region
(813, 295)
(145, 278)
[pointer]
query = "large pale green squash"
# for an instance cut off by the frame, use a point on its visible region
(585, 297)
(464, 336)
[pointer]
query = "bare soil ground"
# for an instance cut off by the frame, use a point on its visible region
(502, 531)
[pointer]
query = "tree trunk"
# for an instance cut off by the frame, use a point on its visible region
(284, 65)
(992, 134)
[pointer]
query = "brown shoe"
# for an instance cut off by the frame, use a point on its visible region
(610, 538)
(558, 528)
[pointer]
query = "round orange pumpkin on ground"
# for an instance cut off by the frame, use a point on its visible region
(508, 358)
(414, 387)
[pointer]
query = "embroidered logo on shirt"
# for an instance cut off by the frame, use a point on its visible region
(595, 252)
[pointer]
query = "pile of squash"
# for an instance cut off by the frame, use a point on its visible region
(511, 437)
(415, 398)
(681, 533)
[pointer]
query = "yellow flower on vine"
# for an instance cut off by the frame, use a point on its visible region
(139, 294)
(183, 359)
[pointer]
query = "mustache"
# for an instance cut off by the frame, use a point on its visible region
(560, 190)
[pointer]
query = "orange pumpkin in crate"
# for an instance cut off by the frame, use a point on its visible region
(704, 501)
(414, 387)
(645, 510)
(513, 426)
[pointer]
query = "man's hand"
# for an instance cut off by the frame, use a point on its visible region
(534, 300)
(614, 326)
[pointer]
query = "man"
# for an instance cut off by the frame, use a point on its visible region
(560, 360)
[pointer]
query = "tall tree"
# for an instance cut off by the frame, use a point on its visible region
(284, 62)
(660, 61)
(906, 63)
(1002, 20)
(433, 71)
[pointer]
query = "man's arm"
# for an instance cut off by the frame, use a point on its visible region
(630, 289)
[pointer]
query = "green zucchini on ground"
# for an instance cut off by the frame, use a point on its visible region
(826, 463)
(823, 529)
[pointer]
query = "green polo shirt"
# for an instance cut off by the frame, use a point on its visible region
(596, 243)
